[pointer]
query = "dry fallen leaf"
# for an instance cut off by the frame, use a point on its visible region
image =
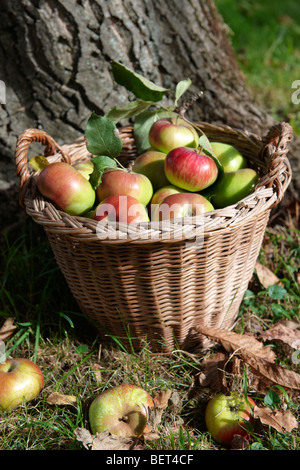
(7, 328)
(56, 398)
(106, 441)
(285, 332)
(212, 374)
(266, 277)
(97, 372)
(161, 399)
(281, 420)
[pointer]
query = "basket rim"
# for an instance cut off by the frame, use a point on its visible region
(272, 153)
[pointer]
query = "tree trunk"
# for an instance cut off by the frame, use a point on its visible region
(55, 55)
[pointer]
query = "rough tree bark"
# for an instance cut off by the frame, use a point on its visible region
(54, 60)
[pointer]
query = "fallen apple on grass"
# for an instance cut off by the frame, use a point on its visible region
(119, 208)
(152, 165)
(66, 187)
(123, 182)
(121, 410)
(21, 380)
(180, 205)
(229, 157)
(227, 415)
(189, 170)
(167, 134)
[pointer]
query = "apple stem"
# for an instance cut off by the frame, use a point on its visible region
(120, 165)
(124, 419)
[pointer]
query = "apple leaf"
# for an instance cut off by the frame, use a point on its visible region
(38, 162)
(205, 145)
(142, 125)
(136, 83)
(181, 88)
(102, 137)
(134, 108)
(101, 163)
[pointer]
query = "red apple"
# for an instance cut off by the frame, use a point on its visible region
(162, 193)
(152, 165)
(229, 157)
(232, 187)
(122, 182)
(227, 415)
(66, 187)
(117, 208)
(189, 170)
(167, 134)
(180, 205)
(121, 410)
(21, 380)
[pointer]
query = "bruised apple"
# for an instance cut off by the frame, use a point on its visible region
(118, 181)
(121, 410)
(180, 205)
(152, 165)
(229, 157)
(118, 208)
(66, 187)
(167, 134)
(189, 170)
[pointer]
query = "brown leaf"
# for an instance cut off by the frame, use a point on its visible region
(7, 328)
(259, 357)
(97, 372)
(285, 332)
(106, 441)
(266, 277)
(56, 398)
(212, 374)
(279, 419)
(161, 399)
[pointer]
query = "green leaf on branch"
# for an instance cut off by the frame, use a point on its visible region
(101, 163)
(181, 88)
(102, 137)
(136, 83)
(142, 125)
(129, 110)
(205, 145)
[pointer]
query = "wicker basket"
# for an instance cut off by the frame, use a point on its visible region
(143, 284)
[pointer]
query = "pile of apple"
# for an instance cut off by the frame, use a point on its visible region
(174, 178)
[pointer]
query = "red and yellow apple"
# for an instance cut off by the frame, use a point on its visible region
(163, 192)
(167, 134)
(152, 165)
(21, 380)
(232, 187)
(120, 181)
(120, 208)
(121, 410)
(227, 415)
(229, 157)
(180, 205)
(66, 187)
(189, 170)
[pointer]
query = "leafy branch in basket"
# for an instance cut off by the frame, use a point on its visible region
(101, 131)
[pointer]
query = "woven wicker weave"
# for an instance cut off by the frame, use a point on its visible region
(157, 284)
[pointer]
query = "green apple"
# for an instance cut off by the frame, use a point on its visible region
(121, 410)
(229, 157)
(152, 165)
(165, 191)
(21, 380)
(232, 187)
(85, 168)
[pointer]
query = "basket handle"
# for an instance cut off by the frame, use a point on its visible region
(21, 155)
(279, 171)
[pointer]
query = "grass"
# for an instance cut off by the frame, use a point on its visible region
(53, 332)
(266, 39)
(66, 347)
